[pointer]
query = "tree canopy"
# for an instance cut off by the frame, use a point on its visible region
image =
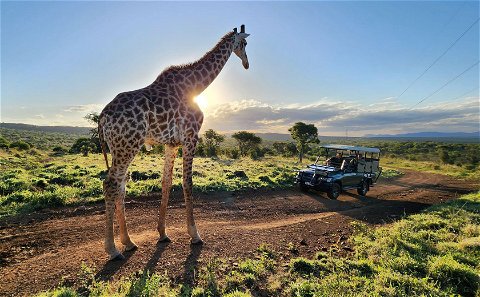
(212, 141)
(246, 141)
(304, 134)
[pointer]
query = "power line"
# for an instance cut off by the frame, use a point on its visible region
(437, 59)
(447, 83)
(464, 94)
(445, 25)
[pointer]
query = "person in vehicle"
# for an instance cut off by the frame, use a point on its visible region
(335, 161)
(361, 163)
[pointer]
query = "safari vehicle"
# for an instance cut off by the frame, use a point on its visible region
(342, 167)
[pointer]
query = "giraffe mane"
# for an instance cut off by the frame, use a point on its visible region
(203, 58)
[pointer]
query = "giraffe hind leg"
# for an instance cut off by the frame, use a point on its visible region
(170, 153)
(114, 189)
(188, 152)
(110, 186)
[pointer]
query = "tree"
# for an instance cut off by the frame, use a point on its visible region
(83, 145)
(212, 142)
(246, 141)
(445, 157)
(93, 118)
(200, 149)
(285, 149)
(303, 134)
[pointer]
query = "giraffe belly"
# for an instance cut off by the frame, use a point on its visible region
(168, 136)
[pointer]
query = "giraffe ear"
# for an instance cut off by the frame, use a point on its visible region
(243, 35)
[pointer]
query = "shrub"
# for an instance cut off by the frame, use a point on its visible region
(232, 153)
(83, 145)
(237, 280)
(303, 288)
(256, 153)
(4, 143)
(59, 150)
(21, 145)
(305, 266)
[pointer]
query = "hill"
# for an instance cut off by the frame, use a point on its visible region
(56, 129)
(428, 135)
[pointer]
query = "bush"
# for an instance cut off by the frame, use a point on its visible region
(232, 153)
(60, 150)
(21, 145)
(305, 266)
(83, 145)
(4, 143)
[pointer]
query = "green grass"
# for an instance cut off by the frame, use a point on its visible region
(434, 253)
(432, 167)
(34, 180)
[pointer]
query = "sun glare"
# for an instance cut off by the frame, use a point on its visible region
(202, 101)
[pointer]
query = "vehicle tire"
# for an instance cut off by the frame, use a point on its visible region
(303, 187)
(363, 189)
(334, 191)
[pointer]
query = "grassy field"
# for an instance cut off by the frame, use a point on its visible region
(431, 167)
(32, 180)
(434, 253)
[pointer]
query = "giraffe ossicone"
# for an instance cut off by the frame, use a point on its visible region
(162, 113)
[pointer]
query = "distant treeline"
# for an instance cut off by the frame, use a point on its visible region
(54, 129)
(213, 144)
(39, 139)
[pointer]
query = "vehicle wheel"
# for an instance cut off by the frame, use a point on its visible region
(303, 187)
(362, 191)
(334, 191)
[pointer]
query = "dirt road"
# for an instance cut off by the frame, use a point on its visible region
(40, 250)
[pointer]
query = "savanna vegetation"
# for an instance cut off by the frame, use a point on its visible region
(433, 253)
(43, 169)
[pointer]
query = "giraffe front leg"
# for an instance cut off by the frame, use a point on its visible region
(109, 186)
(170, 153)
(120, 211)
(188, 152)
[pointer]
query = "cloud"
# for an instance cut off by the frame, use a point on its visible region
(84, 108)
(334, 117)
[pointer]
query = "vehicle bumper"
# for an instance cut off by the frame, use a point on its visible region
(320, 185)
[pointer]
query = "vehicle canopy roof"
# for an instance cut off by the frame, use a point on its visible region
(352, 148)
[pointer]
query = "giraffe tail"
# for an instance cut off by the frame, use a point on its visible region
(103, 144)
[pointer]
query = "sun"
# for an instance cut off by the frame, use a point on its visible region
(202, 101)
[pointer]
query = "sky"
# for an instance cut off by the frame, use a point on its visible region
(342, 66)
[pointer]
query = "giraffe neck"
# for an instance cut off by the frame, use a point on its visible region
(211, 64)
(197, 76)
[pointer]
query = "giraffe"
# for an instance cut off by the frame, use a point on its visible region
(162, 113)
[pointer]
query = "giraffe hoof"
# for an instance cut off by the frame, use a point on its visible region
(164, 239)
(131, 247)
(196, 241)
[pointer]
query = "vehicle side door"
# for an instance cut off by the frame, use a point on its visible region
(352, 177)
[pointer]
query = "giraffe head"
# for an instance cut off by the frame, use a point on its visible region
(240, 44)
